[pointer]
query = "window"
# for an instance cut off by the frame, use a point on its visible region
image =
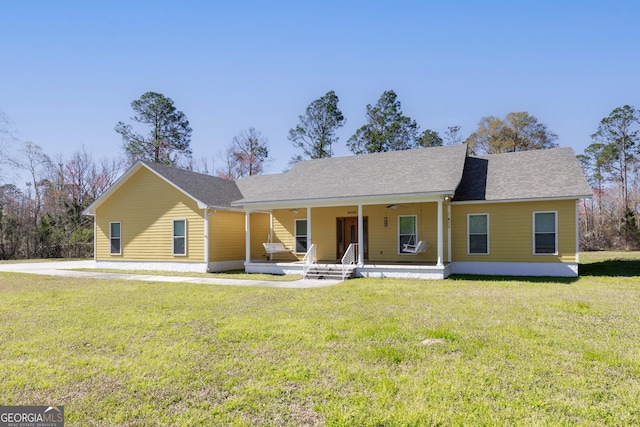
(407, 232)
(180, 237)
(301, 236)
(115, 238)
(545, 236)
(478, 234)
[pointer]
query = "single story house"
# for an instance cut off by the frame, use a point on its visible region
(425, 213)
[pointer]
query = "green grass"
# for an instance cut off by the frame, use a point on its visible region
(367, 352)
(231, 274)
(610, 263)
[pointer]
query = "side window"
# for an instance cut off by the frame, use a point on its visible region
(407, 232)
(301, 235)
(478, 234)
(545, 235)
(180, 237)
(115, 238)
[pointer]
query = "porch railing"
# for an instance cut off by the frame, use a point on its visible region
(349, 258)
(308, 260)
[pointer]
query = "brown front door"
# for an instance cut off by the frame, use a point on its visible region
(347, 233)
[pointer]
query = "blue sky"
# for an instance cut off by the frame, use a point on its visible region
(69, 70)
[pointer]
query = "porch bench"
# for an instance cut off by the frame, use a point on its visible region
(419, 247)
(274, 248)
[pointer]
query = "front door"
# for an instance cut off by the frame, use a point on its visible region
(347, 233)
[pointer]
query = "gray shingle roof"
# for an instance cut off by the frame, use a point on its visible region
(422, 171)
(552, 173)
(211, 190)
(540, 174)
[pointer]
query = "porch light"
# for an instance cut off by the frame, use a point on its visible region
(386, 221)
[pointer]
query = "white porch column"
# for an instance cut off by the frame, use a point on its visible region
(360, 236)
(449, 232)
(247, 237)
(270, 227)
(270, 233)
(206, 237)
(309, 240)
(440, 233)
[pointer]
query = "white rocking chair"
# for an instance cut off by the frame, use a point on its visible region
(419, 247)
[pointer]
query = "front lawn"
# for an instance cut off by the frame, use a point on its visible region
(367, 352)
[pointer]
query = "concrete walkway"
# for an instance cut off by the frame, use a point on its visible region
(63, 268)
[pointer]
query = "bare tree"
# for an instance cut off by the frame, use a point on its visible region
(11, 221)
(453, 135)
(7, 137)
(36, 163)
(246, 156)
(230, 168)
(205, 165)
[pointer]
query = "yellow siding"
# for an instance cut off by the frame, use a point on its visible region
(511, 231)
(259, 234)
(283, 230)
(226, 236)
(383, 241)
(146, 206)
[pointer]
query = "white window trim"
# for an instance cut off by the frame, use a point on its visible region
(415, 217)
(469, 235)
(533, 232)
(111, 238)
(295, 234)
(173, 236)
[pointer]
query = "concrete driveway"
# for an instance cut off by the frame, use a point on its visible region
(63, 268)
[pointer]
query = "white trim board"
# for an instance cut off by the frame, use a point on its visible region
(539, 269)
(182, 267)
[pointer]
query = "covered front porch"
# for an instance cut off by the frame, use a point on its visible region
(400, 270)
(397, 237)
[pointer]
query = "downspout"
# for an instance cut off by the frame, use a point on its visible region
(360, 237)
(449, 232)
(440, 233)
(577, 233)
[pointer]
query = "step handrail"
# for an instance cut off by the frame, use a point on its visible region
(348, 259)
(308, 260)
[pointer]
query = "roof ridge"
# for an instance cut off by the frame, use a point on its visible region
(154, 165)
(525, 152)
(380, 153)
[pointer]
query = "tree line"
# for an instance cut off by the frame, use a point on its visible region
(612, 165)
(45, 218)
(386, 128)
